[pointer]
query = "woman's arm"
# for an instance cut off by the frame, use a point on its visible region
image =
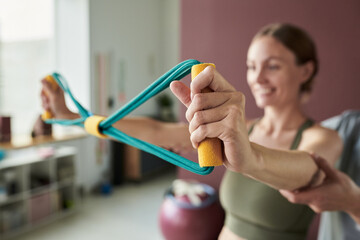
(221, 114)
(172, 136)
(297, 167)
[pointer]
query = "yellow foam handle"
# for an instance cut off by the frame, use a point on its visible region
(209, 150)
(48, 114)
(91, 126)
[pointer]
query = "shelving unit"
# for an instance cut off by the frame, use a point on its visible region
(139, 164)
(36, 189)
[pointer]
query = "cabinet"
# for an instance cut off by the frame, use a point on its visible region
(37, 185)
(139, 164)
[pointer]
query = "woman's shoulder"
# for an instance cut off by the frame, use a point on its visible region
(323, 141)
(318, 129)
(318, 132)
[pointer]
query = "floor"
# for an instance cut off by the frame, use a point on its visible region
(130, 212)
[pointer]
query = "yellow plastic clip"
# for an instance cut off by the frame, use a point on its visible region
(209, 150)
(47, 114)
(91, 126)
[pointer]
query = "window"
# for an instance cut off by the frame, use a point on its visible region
(26, 56)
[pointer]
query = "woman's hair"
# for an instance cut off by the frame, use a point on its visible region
(298, 42)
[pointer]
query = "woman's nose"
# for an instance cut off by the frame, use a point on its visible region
(260, 76)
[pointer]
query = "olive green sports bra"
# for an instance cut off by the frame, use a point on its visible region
(255, 211)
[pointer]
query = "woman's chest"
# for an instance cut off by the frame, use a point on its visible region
(282, 140)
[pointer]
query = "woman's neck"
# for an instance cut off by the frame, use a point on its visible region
(276, 120)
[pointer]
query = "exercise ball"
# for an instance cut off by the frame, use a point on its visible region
(191, 217)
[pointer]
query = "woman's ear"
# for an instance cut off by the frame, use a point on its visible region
(307, 70)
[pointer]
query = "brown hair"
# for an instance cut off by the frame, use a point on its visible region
(298, 42)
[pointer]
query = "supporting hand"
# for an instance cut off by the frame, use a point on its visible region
(337, 193)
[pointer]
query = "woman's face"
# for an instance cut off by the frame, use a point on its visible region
(273, 75)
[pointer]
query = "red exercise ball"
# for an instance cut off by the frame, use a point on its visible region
(179, 219)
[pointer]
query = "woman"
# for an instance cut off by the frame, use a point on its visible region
(281, 66)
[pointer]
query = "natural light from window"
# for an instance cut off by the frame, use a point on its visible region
(26, 55)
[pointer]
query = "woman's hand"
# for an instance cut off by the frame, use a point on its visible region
(53, 100)
(219, 114)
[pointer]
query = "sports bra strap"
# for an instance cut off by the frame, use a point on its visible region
(295, 144)
(253, 125)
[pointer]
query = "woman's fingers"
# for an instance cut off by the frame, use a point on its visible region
(45, 102)
(203, 101)
(205, 117)
(53, 100)
(207, 78)
(211, 130)
(181, 91)
(47, 88)
(222, 101)
(227, 129)
(212, 79)
(215, 114)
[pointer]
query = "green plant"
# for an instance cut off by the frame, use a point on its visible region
(164, 100)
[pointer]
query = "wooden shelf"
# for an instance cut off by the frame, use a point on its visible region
(18, 142)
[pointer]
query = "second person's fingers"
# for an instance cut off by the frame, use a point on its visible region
(325, 166)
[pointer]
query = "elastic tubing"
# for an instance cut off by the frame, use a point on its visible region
(99, 126)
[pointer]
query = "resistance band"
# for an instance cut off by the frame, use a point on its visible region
(209, 154)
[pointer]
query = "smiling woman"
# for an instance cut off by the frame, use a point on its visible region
(27, 53)
(281, 65)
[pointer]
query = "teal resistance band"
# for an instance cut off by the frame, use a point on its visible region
(106, 128)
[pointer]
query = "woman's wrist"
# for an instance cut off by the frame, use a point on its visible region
(67, 115)
(256, 163)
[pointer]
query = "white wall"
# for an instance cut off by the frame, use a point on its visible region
(27, 55)
(72, 46)
(138, 40)
(127, 33)
(170, 42)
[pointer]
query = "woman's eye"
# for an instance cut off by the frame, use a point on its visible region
(273, 67)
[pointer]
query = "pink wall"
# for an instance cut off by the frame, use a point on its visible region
(220, 32)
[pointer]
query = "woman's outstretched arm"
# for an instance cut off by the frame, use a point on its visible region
(221, 114)
(172, 136)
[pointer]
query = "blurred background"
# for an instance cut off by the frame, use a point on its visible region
(59, 182)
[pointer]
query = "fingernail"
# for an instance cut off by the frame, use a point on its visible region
(208, 68)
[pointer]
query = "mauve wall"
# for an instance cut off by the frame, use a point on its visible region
(220, 31)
